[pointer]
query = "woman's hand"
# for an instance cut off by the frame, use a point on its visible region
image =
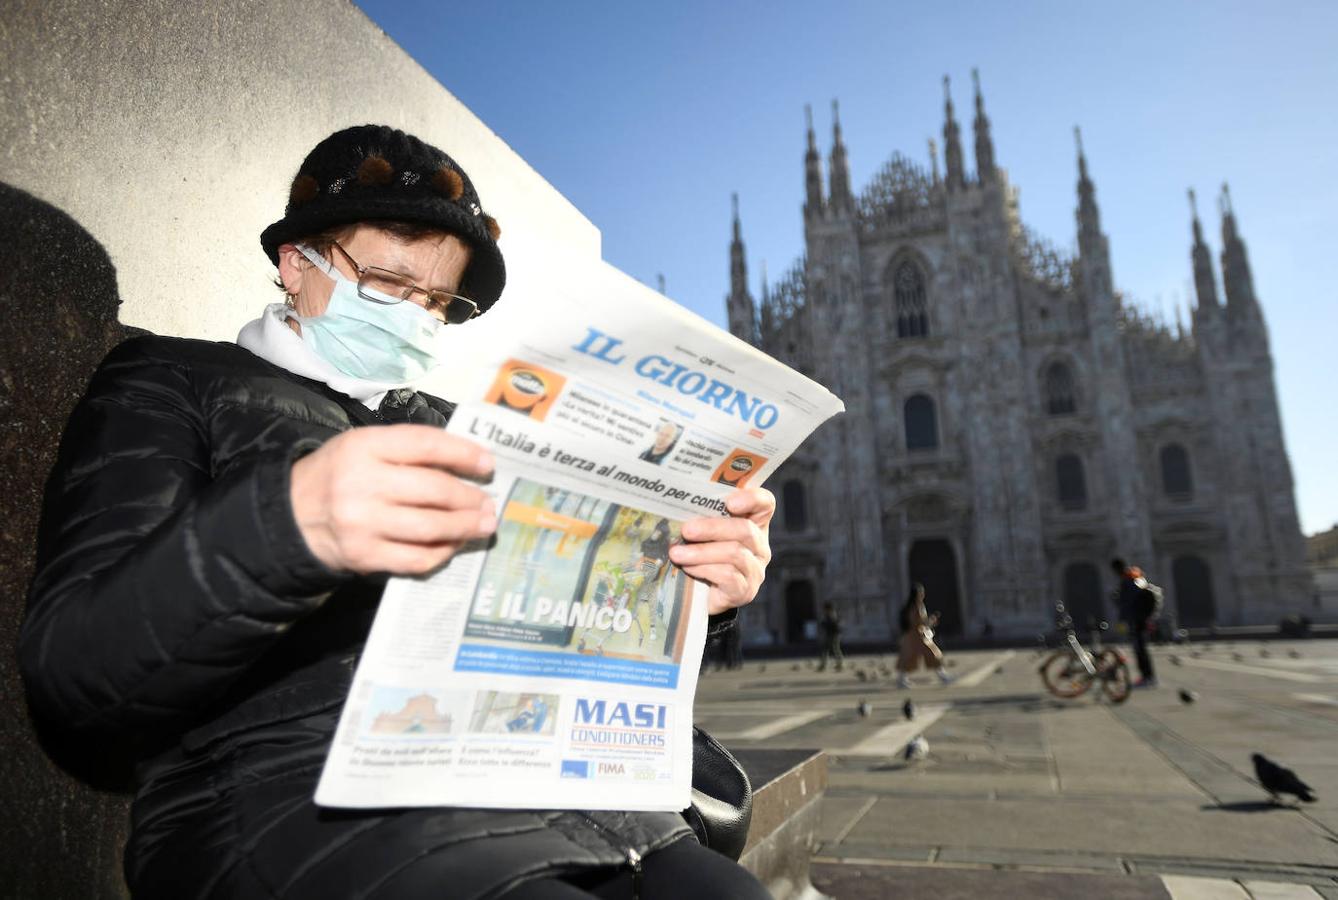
(392, 499)
(730, 554)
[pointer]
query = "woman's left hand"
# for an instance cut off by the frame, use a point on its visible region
(729, 553)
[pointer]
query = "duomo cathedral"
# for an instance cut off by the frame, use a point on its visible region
(1012, 424)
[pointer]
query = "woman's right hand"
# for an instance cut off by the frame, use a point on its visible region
(392, 499)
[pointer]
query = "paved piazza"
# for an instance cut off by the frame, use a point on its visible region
(1023, 794)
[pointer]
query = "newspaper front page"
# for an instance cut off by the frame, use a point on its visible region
(555, 666)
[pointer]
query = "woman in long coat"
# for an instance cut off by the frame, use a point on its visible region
(216, 534)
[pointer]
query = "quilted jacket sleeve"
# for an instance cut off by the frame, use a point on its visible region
(158, 582)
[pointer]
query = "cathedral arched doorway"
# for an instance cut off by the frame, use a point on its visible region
(800, 610)
(1194, 602)
(933, 564)
(1082, 593)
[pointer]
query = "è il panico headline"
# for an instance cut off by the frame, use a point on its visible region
(520, 442)
(514, 607)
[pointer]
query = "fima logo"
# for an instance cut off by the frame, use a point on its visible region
(600, 712)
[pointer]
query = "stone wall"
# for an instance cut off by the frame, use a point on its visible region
(147, 145)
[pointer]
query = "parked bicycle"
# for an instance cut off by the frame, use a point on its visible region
(1072, 669)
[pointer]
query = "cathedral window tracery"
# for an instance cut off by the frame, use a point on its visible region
(908, 286)
(1060, 394)
(921, 422)
(794, 505)
(1071, 481)
(1177, 479)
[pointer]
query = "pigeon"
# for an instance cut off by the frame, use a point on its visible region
(999, 670)
(1277, 779)
(794, 668)
(1196, 654)
(1294, 654)
(762, 668)
(1175, 660)
(1238, 657)
(908, 709)
(864, 708)
(1264, 654)
(917, 748)
(861, 675)
(1187, 696)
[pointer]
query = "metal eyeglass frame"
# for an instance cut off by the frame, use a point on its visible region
(445, 300)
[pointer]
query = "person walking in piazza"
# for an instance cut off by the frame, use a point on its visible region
(216, 534)
(1136, 600)
(917, 639)
(829, 637)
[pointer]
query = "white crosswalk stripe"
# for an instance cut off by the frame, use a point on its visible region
(891, 739)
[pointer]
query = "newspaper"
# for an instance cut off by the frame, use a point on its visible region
(555, 666)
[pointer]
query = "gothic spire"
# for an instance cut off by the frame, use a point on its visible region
(812, 169)
(984, 145)
(1089, 217)
(839, 179)
(1236, 277)
(738, 266)
(933, 159)
(739, 307)
(1205, 285)
(767, 315)
(952, 144)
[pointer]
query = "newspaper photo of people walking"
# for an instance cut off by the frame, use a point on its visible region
(575, 574)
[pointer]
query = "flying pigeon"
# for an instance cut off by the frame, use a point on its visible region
(908, 709)
(1277, 779)
(917, 749)
(1187, 696)
(865, 709)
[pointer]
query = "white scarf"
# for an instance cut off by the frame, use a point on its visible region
(273, 340)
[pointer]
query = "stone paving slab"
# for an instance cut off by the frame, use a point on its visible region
(1116, 827)
(846, 882)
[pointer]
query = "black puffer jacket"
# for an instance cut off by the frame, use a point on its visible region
(178, 616)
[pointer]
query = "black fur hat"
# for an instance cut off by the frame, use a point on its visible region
(376, 172)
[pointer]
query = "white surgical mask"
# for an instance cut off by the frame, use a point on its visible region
(383, 339)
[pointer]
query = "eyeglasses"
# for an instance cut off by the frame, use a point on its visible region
(384, 286)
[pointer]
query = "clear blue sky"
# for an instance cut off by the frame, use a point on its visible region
(647, 117)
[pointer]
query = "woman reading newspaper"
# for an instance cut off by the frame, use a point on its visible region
(217, 532)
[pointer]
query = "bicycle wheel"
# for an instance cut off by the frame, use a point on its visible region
(1114, 674)
(1064, 676)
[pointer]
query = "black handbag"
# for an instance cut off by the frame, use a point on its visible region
(722, 797)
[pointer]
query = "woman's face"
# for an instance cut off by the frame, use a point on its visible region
(432, 263)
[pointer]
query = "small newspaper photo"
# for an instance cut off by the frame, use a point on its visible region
(554, 666)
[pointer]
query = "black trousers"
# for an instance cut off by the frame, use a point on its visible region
(683, 869)
(1138, 632)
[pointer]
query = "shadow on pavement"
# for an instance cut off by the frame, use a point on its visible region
(1245, 806)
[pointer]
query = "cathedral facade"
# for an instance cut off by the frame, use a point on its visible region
(1012, 425)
